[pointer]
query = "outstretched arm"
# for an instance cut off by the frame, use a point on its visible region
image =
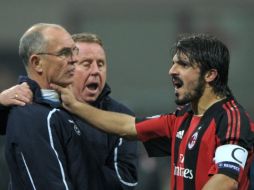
(221, 182)
(104, 120)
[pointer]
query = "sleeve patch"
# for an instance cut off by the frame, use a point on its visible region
(229, 165)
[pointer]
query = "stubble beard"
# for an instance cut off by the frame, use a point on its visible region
(193, 95)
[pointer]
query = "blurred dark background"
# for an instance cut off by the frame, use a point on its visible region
(137, 35)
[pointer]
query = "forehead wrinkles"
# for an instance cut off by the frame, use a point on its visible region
(63, 42)
(187, 58)
(181, 57)
(91, 50)
(58, 38)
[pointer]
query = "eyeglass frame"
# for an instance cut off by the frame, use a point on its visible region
(64, 53)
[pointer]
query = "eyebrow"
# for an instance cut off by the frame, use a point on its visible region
(182, 62)
(65, 48)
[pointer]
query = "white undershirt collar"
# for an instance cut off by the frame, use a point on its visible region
(51, 95)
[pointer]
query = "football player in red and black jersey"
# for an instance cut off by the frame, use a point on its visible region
(209, 137)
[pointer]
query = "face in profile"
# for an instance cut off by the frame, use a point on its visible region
(58, 59)
(90, 73)
(187, 79)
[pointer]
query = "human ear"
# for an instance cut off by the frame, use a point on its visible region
(211, 75)
(36, 63)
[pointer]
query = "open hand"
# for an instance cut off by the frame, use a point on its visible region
(17, 95)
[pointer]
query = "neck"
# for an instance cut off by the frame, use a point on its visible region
(205, 101)
(42, 82)
(47, 93)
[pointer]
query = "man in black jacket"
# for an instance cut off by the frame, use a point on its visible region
(111, 160)
(116, 157)
(44, 145)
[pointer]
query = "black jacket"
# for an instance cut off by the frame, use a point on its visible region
(116, 156)
(4, 111)
(47, 148)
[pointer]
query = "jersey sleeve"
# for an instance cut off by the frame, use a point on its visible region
(235, 140)
(156, 133)
(34, 150)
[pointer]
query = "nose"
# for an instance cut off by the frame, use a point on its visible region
(172, 70)
(94, 68)
(72, 60)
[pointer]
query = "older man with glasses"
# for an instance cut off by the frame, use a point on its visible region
(111, 160)
(44, 145)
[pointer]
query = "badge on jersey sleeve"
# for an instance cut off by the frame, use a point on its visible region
(231, 157)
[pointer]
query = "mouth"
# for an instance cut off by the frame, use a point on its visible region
(178, 83)
(93, 86)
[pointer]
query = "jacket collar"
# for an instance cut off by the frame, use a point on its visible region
(104, 95)
(37, 95)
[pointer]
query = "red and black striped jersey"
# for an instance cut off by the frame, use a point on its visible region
(192, 142)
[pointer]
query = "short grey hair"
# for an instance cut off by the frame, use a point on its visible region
(87, 38)
(33, 41)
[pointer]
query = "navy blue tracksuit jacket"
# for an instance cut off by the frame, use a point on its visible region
(47, 148)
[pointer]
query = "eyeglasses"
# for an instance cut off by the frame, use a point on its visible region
(65, 53)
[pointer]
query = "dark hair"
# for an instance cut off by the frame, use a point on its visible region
(88, 38)
(209, 53)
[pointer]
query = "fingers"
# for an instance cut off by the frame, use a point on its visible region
(24, 84)
(66, 93)
(23, 93)
(16, 95)
(57, 88)
(23, 98)
(26, 92)
(18, 102)
(61, 90)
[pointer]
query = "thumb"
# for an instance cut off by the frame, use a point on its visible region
(24, 84)
(56, 87)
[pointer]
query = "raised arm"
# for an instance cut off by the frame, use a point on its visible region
(108, 121)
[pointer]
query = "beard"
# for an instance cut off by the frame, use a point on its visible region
(194, 94)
